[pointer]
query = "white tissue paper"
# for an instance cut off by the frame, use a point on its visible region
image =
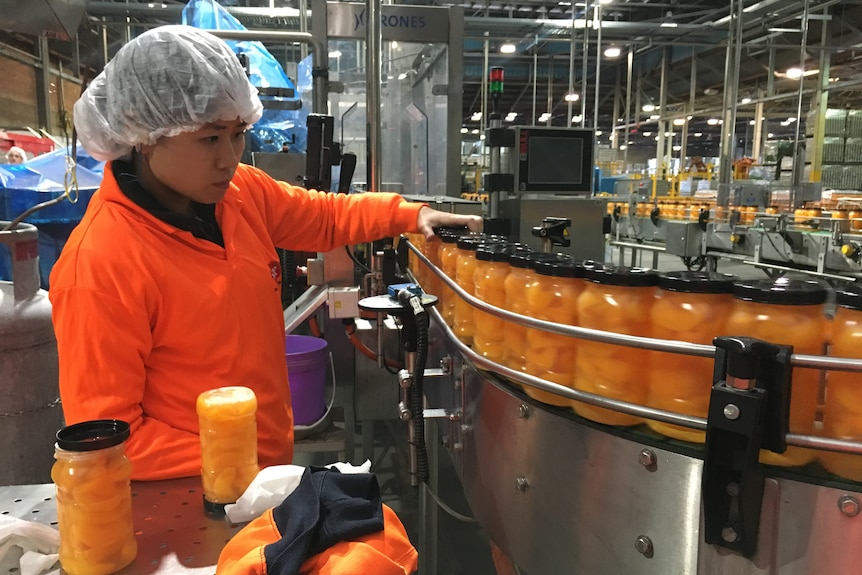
(28, 548)
(272, 486)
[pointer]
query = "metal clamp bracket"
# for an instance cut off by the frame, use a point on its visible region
(749, 410)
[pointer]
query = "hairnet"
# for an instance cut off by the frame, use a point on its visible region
(16, 150)
(167, 81)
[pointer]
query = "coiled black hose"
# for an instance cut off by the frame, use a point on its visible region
(415, 398)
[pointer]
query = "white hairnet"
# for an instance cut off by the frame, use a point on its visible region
(16, 150)
(167, 81)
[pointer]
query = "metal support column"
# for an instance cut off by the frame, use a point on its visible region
(597, 23)
(535, 80)
(731, 83)
(454, 101)
(569, 101)
(43, 85)
(757, 145)
(692, 93)
(617, 135)
(820, 102)
(303, 27)
(661, 153)
(798, 152)
(629, 66)
(550, 99)
(584, 63)
(373, 43)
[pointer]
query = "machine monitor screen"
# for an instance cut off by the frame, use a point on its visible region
(554, 160)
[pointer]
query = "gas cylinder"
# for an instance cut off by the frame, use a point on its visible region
(30, 412)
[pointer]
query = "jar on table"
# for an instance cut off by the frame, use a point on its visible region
(615, 299)
(465, 267)
(228, 434)
(691, 307)
(553, 297)
(842, 414)
(94, 498)
(855, 217)
(489, 280)
(786, 312)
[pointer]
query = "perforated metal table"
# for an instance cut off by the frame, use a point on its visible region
(174, 535)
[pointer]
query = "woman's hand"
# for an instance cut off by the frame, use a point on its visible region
(429, 218)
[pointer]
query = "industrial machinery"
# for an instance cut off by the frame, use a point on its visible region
(563, 494)
(769, 226)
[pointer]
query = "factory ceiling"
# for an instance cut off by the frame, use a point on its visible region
(549, 60)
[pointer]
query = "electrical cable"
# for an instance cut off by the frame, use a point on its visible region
(415, 393)
(449, 510)
(356, 261)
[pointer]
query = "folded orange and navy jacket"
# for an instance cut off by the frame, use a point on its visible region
(332, 524)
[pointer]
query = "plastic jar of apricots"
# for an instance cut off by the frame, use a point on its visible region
(94, 498)
(489, 279)
(553, 297)
(465, 267)
(228, 433)
(691, 307)
(615, 299)
(842, 415)
(520, 279)
(786, 312)
(449, 264)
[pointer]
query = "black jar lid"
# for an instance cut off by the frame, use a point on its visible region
(561, 266)
(494, 252)
(696, 282)
(93, 435)
(782, 291)
(621, 276)
(470, 243)
(849, 296)
(451, 235)
(525, 259)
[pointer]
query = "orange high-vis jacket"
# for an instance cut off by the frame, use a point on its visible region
(386, 552)
(147, 316)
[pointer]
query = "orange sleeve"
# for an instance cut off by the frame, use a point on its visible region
(103, 345)
(308, 220)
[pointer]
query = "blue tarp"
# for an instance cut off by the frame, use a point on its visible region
(276, 126)
(22, 186)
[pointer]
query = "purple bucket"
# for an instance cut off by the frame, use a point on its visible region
(306, 358)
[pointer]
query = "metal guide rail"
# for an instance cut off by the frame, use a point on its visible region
(669, 346)
(562, 494)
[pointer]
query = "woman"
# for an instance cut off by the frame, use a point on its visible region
(170, 284)
(16, 155)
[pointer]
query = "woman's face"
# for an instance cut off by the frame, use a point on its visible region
(198, 165)
(14, 157)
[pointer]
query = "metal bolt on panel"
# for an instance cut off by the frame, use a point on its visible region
(731, 412)
(647, 458)
(521, 484)
(644, 545)
(523, 411)
(848, 505)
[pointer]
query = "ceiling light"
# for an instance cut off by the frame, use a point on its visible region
(669, 24)
(605, 1)
(576, 119)
(668, 134)
(656, 138)
(654, 117)
(698, 134)
(474, 131)
(507, 48)
(598, 132)
(482, 137)
(791, 119)
(510, 117)
(623, 147)
(679, 122)
(402, 76)
(612, 52)
(677, 148)
(794, 73)
(712, 121)
(647, 134)
(476, 117)
(464, 130)
(572, 97)
(770, 135)
(335, 54)
(785, 123)
(752, 123)
(745, 101)
(648, 108)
